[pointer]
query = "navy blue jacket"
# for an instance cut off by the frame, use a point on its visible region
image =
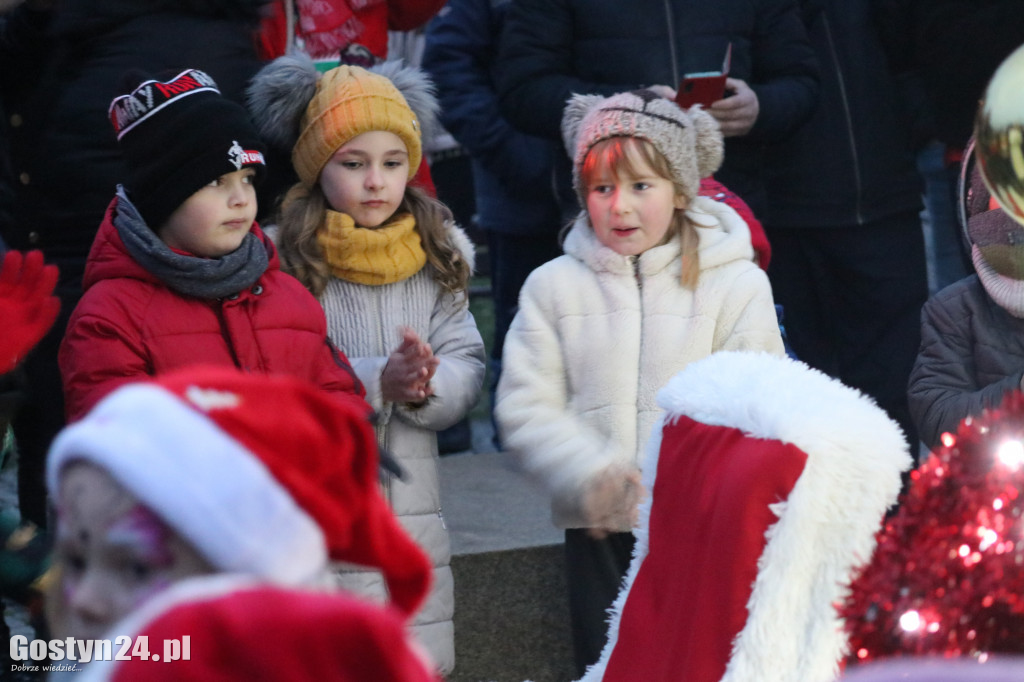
(853, 162)
(513, 173)
(551, 49)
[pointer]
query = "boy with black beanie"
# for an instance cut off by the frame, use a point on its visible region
(179, 272)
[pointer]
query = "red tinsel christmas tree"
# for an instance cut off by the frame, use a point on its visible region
(947, 577)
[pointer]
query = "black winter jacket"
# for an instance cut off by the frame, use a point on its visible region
(853, 162)
(57, 78)
(551, 49)
(972, 353)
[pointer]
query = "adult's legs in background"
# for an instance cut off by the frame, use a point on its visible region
(852, 298)
(513, 257)
(948, 260)
(453, 178)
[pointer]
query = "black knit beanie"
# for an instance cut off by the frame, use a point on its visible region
(177, 136)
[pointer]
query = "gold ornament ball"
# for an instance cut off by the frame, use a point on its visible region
(999, 135)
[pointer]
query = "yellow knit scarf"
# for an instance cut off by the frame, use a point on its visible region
(381, 255)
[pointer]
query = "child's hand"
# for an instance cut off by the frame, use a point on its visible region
(407, 374)
(611, 501)
(28, 307)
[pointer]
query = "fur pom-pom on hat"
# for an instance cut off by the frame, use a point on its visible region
(295, 107)
(689, 140)
(278, 96)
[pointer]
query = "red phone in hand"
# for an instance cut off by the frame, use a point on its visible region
(704, 88)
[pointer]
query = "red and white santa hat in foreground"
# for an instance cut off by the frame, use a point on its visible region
(768, 481)
(227, 627)
(264, 475)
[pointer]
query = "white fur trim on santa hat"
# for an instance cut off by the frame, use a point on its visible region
(199, 480)
(855, 455)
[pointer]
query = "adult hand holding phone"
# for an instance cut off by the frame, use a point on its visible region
(736, 113)
(703, 89)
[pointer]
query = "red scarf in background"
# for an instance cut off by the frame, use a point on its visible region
(326, 27)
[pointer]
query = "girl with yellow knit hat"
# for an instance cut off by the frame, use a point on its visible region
(391, 271)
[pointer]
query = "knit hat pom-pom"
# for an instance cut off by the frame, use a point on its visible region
(709, 144)
(278, 96)
(575, 111)
(418, 90)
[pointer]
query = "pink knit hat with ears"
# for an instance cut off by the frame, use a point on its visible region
(264, 475)
(689, 140)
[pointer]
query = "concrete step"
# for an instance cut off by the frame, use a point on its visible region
(511, 610)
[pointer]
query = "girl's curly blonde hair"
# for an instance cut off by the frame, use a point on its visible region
(302, 215)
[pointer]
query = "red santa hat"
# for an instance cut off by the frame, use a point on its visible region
(264, 475)
(768, 481)
(214, 629)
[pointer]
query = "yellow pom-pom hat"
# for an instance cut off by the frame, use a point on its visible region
(348, 102)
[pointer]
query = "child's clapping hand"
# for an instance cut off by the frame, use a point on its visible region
(406, 376)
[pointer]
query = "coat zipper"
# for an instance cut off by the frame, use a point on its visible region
(226, 333)
(382, 434)
(671, 24)
(640, 351)
(858, 185)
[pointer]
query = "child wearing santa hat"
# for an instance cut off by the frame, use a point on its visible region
(211, 470)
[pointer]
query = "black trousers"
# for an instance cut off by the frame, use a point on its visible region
(852, 298)
(512, 259)
(594, 573)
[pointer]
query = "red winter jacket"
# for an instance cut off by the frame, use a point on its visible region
(129, 326)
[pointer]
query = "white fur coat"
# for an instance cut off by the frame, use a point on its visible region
(598, 334)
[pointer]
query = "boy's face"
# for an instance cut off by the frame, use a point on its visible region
(214, 221)
(113, 553)
(631, 213)
(366, 177)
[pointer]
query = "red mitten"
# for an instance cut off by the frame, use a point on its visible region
(28, 307)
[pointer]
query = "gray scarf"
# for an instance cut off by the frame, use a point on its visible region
(209, 278)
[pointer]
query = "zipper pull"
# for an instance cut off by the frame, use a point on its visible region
(635, 260)
(441, 516)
